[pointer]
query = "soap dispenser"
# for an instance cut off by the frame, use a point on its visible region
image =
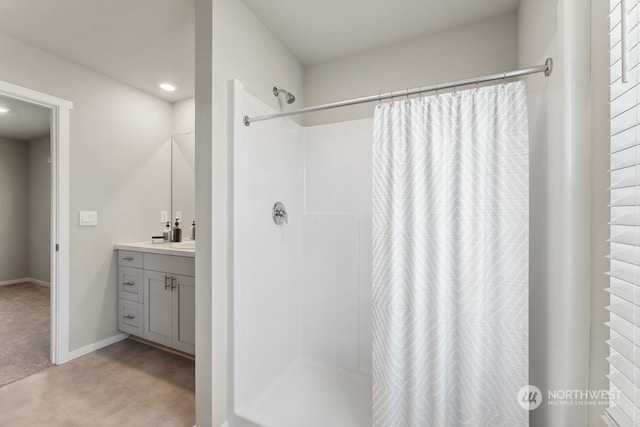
(177, 232)
(167, 233)
(192, 230)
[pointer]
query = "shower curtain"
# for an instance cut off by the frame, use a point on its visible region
(450, 259)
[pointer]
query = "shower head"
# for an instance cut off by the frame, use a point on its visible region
(288, 96)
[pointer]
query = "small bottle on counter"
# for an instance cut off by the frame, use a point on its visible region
(192, 230)
(167, 232)
(177, 232)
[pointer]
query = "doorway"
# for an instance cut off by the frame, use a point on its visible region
(25, 265)
(59, 110)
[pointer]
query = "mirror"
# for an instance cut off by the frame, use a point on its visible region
(183, 179)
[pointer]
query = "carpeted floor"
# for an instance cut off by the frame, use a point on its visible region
(24, 331)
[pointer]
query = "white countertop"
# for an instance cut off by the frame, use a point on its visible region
(169, 248)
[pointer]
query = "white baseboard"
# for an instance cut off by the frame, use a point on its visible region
(14, 281)
(97, 346)
(25, 280)
(39, 282)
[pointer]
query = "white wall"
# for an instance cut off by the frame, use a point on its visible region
(211, 304)
(247, 50)
(598, 350)
(559, 201)
(25, 200)
(269, 167)
(183, 116)
(39, 210)
(14, 244)
(335, 285)
(484, 47)
(119, 157)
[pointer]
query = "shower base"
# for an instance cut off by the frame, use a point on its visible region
(314, 395)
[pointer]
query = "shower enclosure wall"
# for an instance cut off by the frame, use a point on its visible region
(301, 333)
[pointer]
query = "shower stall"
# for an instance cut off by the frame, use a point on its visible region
(302, 328)
(437, 330)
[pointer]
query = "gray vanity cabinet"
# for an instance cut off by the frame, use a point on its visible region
(162, 294)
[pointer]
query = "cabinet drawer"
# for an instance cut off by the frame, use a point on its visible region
(185, 266)
(130, 259)
(130, 284)
(130, 317)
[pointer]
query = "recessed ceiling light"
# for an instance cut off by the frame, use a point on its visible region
(4, 110)
(168, 87)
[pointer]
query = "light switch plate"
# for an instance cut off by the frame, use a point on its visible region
(164, 217)
(88, 218)
(179, 215)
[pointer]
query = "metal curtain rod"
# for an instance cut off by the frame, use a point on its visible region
(546, 68)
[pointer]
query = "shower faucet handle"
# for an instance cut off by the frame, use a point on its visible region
(279, 214)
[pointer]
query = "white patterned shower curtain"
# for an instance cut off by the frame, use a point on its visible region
(450, 259)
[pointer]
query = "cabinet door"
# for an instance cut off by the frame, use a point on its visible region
(158, 307)
(184, 314)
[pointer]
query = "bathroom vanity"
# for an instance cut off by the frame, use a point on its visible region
(156, 293)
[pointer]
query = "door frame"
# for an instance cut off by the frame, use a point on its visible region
(60, 136)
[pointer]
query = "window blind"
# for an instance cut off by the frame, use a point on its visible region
(624, 241)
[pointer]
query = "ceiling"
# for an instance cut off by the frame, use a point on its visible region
(145, 42)
(138, 42)
(24, 121)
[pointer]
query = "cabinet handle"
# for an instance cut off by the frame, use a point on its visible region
(130, 316)
(166, 282)
(128, 258)
(129, 284)
(173, 283)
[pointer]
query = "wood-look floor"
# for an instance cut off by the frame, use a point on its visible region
(125, 384)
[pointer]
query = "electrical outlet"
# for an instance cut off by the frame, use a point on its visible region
(164, 217)
(179, 215)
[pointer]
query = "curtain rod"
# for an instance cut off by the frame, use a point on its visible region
(546, 68)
